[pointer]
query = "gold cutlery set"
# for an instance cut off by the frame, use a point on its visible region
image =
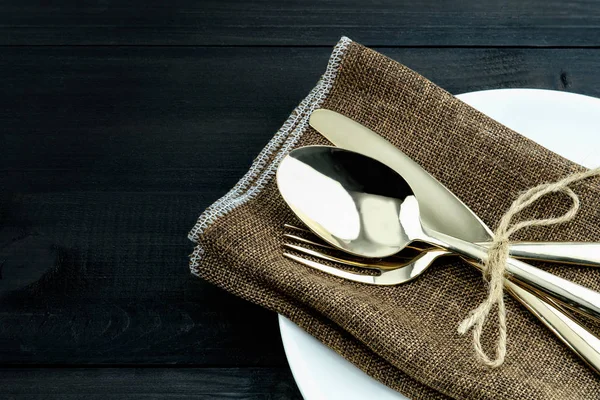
(376, 217)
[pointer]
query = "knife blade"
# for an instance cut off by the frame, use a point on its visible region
(435, 200)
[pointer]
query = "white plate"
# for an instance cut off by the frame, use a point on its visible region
(565, 123)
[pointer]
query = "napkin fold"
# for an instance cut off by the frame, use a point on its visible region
(406, 336)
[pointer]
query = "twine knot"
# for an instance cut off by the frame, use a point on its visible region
(494, 267)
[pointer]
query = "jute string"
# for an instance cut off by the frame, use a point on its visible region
(495, 266)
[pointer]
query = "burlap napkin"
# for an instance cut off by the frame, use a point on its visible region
(405, 336)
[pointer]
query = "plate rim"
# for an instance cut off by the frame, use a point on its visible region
(282, 320)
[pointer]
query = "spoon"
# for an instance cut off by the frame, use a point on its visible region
(440, 208)
(365, 208)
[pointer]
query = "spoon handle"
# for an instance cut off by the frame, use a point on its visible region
(575, 296)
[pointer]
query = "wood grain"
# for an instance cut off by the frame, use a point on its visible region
(147, 383)
(536, 23)
(111, 153)
(122, 121)
(118, 290)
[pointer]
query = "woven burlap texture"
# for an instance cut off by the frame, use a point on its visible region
(406, 336)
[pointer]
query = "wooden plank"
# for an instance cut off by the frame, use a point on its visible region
(147, 383)
(110, 154)
(107, 282)
(314, 22)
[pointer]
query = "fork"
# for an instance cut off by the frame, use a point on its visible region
(394, 270)
(392, 262)
(552, 314)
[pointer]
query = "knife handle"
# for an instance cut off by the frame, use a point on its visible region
(576, 253)
(581, 253)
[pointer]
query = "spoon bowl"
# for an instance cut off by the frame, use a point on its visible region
(350, 200)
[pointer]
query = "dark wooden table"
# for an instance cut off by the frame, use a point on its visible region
(122, 121)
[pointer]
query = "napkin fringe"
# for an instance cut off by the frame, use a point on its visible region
(261, 171)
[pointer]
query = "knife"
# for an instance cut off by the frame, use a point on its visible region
(444, 212)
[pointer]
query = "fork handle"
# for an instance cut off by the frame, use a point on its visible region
(583, 342)
(559, 320)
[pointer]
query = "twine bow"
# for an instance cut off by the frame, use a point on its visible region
(495, 266)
